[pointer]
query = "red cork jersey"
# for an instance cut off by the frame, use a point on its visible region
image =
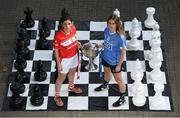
(66, 43)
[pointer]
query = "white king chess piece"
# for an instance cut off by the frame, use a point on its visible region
(149, 22)
(134, 33)
(158, 100)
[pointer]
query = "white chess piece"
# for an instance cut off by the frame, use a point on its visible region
(137, 87)
(158, 100)
(134, 33)
(155, 34)
(139, 98)
(149, 22)
(155, 47)
(116, 12)
(155, 63)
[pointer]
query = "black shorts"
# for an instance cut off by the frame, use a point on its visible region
(112, 67)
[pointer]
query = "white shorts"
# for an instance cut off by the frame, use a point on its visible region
(69, 63)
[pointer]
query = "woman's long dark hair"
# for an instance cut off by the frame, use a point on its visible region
(64, 16)
(119, 27)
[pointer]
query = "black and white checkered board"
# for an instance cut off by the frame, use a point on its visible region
(89, 99)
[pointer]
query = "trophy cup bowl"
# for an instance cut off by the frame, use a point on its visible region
(90, 50)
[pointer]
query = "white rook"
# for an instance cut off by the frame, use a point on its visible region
(149, 22)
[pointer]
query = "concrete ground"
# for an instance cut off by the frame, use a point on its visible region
(167, 14)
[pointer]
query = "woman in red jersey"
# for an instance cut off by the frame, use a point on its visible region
(66, 48)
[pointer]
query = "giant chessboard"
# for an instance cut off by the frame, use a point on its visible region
(89, 100)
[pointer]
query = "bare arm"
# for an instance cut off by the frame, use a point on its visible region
(57, 60)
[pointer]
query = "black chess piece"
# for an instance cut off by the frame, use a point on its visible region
(20, 46)
(42, 43)
(20, 62)
(28, 21)
(16, 100)
(23, 35)
(45, 27)
(21, 76)
(36, 99)
(40, 74)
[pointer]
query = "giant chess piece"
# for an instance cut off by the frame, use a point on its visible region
(155, 63)
(40, 74)
(16, 99)
(20, 48)
(28, 22)
(156, 48)
(155, 34)
(23, 35)
(149, 22)
(20, 62)
(134, 33)
(42, 44)
(45, 27)
(117, 13)
(137, 88)
(37, 99)
(20, 73)
(158, 100)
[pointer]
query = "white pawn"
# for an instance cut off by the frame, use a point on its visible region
(156, 33)
(134, 33)
(149, 22)
(116, 12)
(158, 100)
(139, 98)
(155, 63)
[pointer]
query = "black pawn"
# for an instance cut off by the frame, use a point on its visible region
(28, 22)
(45, 27)
(23, 35)
(21, 75)
(20, 46)
(42, 43)
(20, 62)
(37, 99)
(40, 74)
(17, 87)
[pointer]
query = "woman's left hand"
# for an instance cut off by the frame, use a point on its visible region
(118, 68)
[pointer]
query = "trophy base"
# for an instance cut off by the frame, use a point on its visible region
(91, 67)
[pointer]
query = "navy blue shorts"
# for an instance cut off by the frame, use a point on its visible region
(112, 67)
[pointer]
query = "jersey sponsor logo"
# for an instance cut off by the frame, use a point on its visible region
(108, 45)
(69, 41)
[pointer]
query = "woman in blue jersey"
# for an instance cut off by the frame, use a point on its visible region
(113, 55)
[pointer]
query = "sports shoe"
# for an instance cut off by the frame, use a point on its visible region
(119, 102)
(101, 87)
(75, 89)
(58, 101)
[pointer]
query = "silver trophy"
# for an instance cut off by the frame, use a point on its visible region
(90, 50)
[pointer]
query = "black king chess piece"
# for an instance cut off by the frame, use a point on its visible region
(45, 27)
(16, 100)
(37, 99)
(20, 62)
(42, 43)
(23, 35)
(28, 22)
(40, 74)
(20, 46)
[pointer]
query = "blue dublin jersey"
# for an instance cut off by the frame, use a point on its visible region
(113, 43)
